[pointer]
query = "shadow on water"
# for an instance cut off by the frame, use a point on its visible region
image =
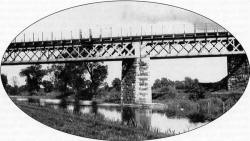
(196, 117)
(136, 117)
(63, 103)
(142, 117)
(94, 108)
(33, 100)
(128, 116)
(76, 109)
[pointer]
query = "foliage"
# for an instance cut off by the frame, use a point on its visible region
(98, 73)
(192, 86)
(34, 75)
(4, 80)
(179, 84)
(12, 90)
(48, 86)
(22, 88)
(211, 107)
(73, 75)
(113, 96)
(164, 93)
(116, 83)
(69, 74)
(197, 94)
(106, 86)
(189, 83)
(85, 94)
(163, 82)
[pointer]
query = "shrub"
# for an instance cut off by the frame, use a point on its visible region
(197, 117)
(85, 94)
(113, 96)
(167, 92)
(211, 107)
(48, 86)
(197, 93)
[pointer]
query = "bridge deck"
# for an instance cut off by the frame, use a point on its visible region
(187, 45)
(124, 39)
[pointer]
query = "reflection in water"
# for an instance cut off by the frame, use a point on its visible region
(63, 103)
(128, 116)
(94, 107)
(143, 117)
(133, 116)
(136, 117)
(178, 125)
(76, 106)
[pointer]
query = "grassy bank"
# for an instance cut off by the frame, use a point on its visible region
(88, 125)
(202, 110)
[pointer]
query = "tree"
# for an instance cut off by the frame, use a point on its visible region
(163, 82)
(197, 91)
(74, 75)
(179, 85)
(69, 74)
(13, 90)
(48, 86)
(106, 86)
(166, 82)
(188, 83)
(98, 73)
(4, 80)
(157, 84)
(116, 83)
(34, 75)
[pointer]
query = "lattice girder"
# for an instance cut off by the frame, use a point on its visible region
(114, 48)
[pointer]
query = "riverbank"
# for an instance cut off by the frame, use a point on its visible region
(88, 125)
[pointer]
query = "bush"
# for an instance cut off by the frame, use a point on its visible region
(229, 103)
(167, 92)
(197, 117)
(197, 93)
(211, 107)
(85, 94)
(113, 96)
(48, 86)
(12, 90)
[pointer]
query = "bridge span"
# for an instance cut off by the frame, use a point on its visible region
(119, 48)
(135, 52)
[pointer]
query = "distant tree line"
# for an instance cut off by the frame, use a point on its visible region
(169, 87)
(13, 90)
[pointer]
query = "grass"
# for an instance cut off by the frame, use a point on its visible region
(88, 125)
(211, 107)
(202, 110)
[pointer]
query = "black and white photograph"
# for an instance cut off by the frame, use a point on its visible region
(125, 70)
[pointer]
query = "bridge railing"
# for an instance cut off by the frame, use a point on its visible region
(118, 48)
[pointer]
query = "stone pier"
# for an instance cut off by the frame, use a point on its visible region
(238, 72)
(135, 87)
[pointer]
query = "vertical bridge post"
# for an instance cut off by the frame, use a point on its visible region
(238, 72)
(136, 87)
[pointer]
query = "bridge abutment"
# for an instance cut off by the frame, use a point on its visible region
(135, 85)
(238, 72)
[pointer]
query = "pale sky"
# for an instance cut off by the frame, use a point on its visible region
(205, 69)
(130, 18)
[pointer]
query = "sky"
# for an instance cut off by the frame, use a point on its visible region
(205, 69)
(124, 19)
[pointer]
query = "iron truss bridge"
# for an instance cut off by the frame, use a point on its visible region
(187, 45)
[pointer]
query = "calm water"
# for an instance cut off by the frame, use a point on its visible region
(144, 117)
(132, 116)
